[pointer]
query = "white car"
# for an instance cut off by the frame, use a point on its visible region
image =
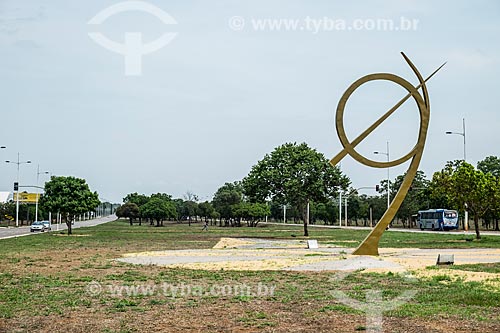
(40, 226)
(48, 225)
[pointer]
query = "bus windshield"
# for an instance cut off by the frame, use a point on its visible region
(450, 215)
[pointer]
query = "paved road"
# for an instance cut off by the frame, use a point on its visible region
(25, 230)
(455, 232)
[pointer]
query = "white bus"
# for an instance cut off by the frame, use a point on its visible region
(438, 219)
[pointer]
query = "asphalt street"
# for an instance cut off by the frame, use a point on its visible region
(25, 230)
(453, 232)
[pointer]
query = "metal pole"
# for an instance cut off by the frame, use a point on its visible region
(340, 200)
(346, 210)
(388, 200)
(17, 195)
(466, 217)
(465, 154)
(466, 220)
(340, 209)
(371, 217)
(37, 190)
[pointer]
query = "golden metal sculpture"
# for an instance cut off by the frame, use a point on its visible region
(370, 245)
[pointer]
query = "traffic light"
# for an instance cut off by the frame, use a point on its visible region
(377, 187)
(16, 186)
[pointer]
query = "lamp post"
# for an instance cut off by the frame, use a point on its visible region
(388, 157)
(38, 173)
(17, 191)
(462, 134)
(466, 217)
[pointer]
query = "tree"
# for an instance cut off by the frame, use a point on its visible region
(227, 197)
(206, 210)
(190, 196)
(467, 187)
(251, 212)
(324, 211)
(162, 196)
(416, 198)
(190, 206)
(294, 174)
(129, 210)
(69, 196)
(159, 209)
(179, 207)
(490, 164)
(439, 187)
(190, 209)
(139, 200)
(475, 189)
(8, 211)
(378, 205)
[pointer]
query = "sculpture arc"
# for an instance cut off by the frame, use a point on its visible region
(370, 245)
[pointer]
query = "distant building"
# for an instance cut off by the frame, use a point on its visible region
(5, 197)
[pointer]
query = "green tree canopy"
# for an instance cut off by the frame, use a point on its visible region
(490, 164)
(138, 199)
(159, 209)
(206, 210)
(417, 197)
(251, 212)
(69, 196)
(129, 210)
(464, 186)
(227, 197)
(295, 174)
(474, 189)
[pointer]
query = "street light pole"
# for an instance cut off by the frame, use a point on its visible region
(388, 159)
(17, 192)
(466, 217)
(462, 134)
(340, 200)
(465, 152)
(388, 200)
(38, 173)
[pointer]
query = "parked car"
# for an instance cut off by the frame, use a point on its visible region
(39, 226)
(48, 225)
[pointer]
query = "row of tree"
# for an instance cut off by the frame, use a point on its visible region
(298, 179)
(293, 175)
(227, 207)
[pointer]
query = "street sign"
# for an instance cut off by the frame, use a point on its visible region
(25, 197)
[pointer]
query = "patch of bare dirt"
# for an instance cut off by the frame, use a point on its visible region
(226, 316)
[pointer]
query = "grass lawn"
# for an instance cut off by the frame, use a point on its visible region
(46, 283)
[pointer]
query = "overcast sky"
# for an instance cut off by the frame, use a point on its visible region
(222, 93)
